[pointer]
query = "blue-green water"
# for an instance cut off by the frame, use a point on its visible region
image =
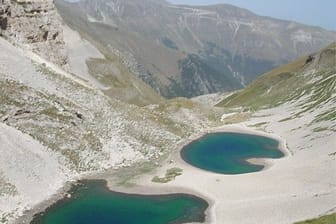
(93, 203)
(226, 153)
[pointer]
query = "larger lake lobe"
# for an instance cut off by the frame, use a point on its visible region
(93, 203)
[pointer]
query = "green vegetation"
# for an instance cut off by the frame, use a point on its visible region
(327, 219)
(176, 115)
(310, 85)
(268, 90)
(237, 118)
(7, 189)
(258, 125)
(320, 129)
(170, 175)
(286, 119)
(121, 83)
(3, 219)
(329, 115)
(125, 176)
(52, 112)
(320, 91)
(56, 122)
(7, 89)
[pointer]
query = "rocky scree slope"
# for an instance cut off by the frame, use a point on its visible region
(188, 50)
(56, 127)
(79, 128)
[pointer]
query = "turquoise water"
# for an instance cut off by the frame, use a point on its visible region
(226, 153)
(93, 203)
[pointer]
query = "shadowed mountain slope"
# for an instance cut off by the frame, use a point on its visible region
(188, 50)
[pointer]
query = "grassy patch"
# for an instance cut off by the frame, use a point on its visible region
(312, 87)
(54, 114)
(7, 189)
(258, 125)
(329, 115)
(320, 91)
(3, 219)
(327, 219)
(287, 119)
(270, 89)
(121, 83)
(320, 129)
(56, 122)
(170, 175)
(214, 118)
(125, 176)
(237, 118)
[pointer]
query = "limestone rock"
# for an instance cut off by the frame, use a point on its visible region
(35, 24)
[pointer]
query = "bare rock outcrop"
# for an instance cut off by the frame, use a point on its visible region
(35, 24)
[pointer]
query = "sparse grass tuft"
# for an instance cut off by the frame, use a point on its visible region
(125, 176)
(7, 189)
(320, 129)
(329, 115)
(121, 83)
(287, 119)
(237, 118)
(258, 125)
(170, 175)
(327, 219)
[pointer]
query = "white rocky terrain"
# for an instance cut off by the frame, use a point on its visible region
(73, 128)
(57, 124)
(62, 119)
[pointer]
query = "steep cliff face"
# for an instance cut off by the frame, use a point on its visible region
(36, 25)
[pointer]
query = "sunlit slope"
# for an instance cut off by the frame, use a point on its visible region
(310, 80)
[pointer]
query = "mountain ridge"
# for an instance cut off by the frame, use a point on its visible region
(93, 117)
(221, 40)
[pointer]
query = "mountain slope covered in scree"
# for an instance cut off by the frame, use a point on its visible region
(188, 50)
